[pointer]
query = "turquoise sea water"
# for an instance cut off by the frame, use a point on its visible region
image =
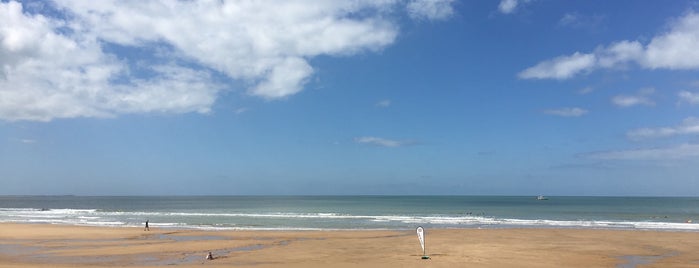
(356, 212)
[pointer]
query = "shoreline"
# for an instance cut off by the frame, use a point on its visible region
(39, 245)
(694, 229)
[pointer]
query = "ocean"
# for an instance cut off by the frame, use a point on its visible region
(356, 212)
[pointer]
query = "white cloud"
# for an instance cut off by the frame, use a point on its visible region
(284, 79)
(381, 142)
(689, 125)
(430, 9)
(676, 49)
(682, 151)
(618, 54)
(241, 110)
(266, 43)
(511, 6)
(581, 21)
(42, 70)
(60, 67)
(383, 103)
(641, 98)
(569, 19)
(47, 75)
(628, 101)
(689, 97)
(176, 90)
(567, 112)
(507, 6)
(27, 141)
(586, 90)
(560, 68)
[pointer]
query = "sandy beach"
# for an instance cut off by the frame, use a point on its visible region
(40, 245)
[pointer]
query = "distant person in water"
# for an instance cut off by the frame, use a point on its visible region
(209, 256)
(147, 228)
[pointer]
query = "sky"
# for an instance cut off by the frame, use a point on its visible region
(363, 97)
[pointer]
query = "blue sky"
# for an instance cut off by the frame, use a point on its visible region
(513, 97)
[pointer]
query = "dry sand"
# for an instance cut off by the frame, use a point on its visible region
(41, 245)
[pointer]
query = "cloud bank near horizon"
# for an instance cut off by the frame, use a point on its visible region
(679, 152)
(689, 126)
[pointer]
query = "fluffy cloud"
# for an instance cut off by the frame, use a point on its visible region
(581, 21)
(676, 49)
(48, 75)
(383, 103)
(569, 19)
(381, 142)
(628, 101)
(560, 68)
(682, 151)
(689, 126)
(30, 51)
(586, 90)
(430, 9)
(240, 110)
(567, 112)
(618, 54)
(641, 98)
(285, 78)
(65, 65)
(510, 6)
(507, 6)
(265, 43)
(689, 97)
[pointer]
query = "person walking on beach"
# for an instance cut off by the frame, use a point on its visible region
(146, 229)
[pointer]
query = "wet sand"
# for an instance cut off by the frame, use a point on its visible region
(42, 245)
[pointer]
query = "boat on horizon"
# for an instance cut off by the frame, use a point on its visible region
(541, 197)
